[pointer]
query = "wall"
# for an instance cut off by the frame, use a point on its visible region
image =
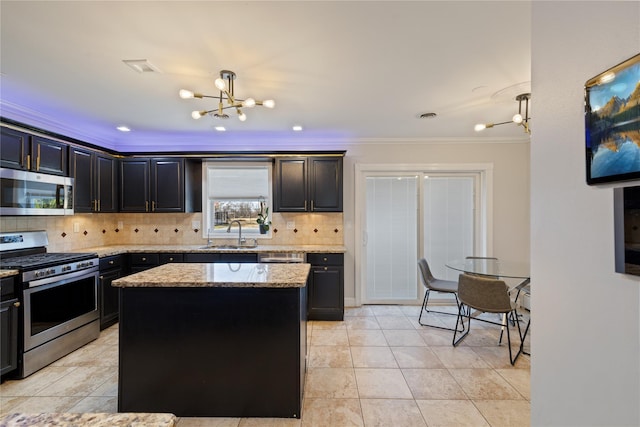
(585, 361)
(510, 161)
(168, 229)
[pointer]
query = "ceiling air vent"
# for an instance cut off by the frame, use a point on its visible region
(141, 65)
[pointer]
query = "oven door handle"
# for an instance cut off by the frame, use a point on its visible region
(64, 278)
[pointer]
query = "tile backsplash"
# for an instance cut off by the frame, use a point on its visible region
(67, 233)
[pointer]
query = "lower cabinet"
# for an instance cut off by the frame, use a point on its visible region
(143, 261)
(9, 304)
(111, 268)
(325, 293)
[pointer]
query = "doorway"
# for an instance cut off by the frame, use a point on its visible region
(408, 212)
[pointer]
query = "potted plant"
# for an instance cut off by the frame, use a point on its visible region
(263, 218)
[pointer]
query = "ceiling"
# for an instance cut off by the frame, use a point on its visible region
(344, 70)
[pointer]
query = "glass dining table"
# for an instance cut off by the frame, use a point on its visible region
(498, 269)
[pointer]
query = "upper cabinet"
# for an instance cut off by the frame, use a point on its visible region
(159, 185)
(308, 184)
(20, 150)
(95, 181)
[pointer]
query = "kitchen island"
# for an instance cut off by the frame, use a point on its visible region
(213, 340)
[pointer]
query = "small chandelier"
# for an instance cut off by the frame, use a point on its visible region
(518, 119)
(224, 83)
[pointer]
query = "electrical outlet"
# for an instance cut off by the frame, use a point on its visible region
(76, 227)
(291, 225)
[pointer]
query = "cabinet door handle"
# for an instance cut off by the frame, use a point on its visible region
(98, 205)
(153, 206)
(28, 161)
(325, 259)
(312, 205)
(144, 259)
(146, 206)
(38, 159)
(305, 205)
(326, 268)
(16, 304)
(101, 277)
(171, 259)
(111, 262)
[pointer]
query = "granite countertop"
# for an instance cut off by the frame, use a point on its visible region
(89, 419)
(8, 273)
(104, 251)
(226, 275)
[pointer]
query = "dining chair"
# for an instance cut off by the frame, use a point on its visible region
(511, 318)
(485, 295)
(431, 284)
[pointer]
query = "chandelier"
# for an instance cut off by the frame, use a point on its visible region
(519, 119)
(225, 85)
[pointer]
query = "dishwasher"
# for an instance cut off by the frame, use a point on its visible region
(281, 257)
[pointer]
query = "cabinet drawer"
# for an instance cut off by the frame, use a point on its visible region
(167, 258)
(325, 259)
(110, 262)
(145, 259)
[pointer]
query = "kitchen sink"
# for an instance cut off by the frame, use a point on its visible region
(229, 247)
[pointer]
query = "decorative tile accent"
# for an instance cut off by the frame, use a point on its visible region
(315, 230)
(275, 230)
(156, 230)
(64, 234)
(136, 230)
(336, 230)
(117, 230)
(195, 230)
(85, 232)
(295, 230)
(104, 231)
(176, 230)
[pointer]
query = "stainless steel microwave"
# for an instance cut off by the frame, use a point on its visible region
(31, 193)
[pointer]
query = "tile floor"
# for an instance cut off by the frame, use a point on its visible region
(377, 368)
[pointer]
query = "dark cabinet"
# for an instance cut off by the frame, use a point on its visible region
(9, 304)
(111, 268)
(19, 150)
(166, 258)
(325, 287)
(308, 184)
(95, 181)
(154, 185)
(143, 261)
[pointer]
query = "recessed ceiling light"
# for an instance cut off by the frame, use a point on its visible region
(220, 128)
(123, 129)
(297, 128)
(141, 65)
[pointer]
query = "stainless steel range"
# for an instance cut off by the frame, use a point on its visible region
(59, 298)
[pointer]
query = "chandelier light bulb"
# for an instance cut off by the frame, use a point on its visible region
(249, 102)
(220, 84)
(185, 94)
(518, 119)
(269, 103)
(197, 114)
(480, 127)
(241, 116)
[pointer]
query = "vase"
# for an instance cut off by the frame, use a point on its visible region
(263, 228)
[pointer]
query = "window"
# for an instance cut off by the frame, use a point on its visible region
(233, 191)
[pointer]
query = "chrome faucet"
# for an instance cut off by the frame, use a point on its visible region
(240, 239)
